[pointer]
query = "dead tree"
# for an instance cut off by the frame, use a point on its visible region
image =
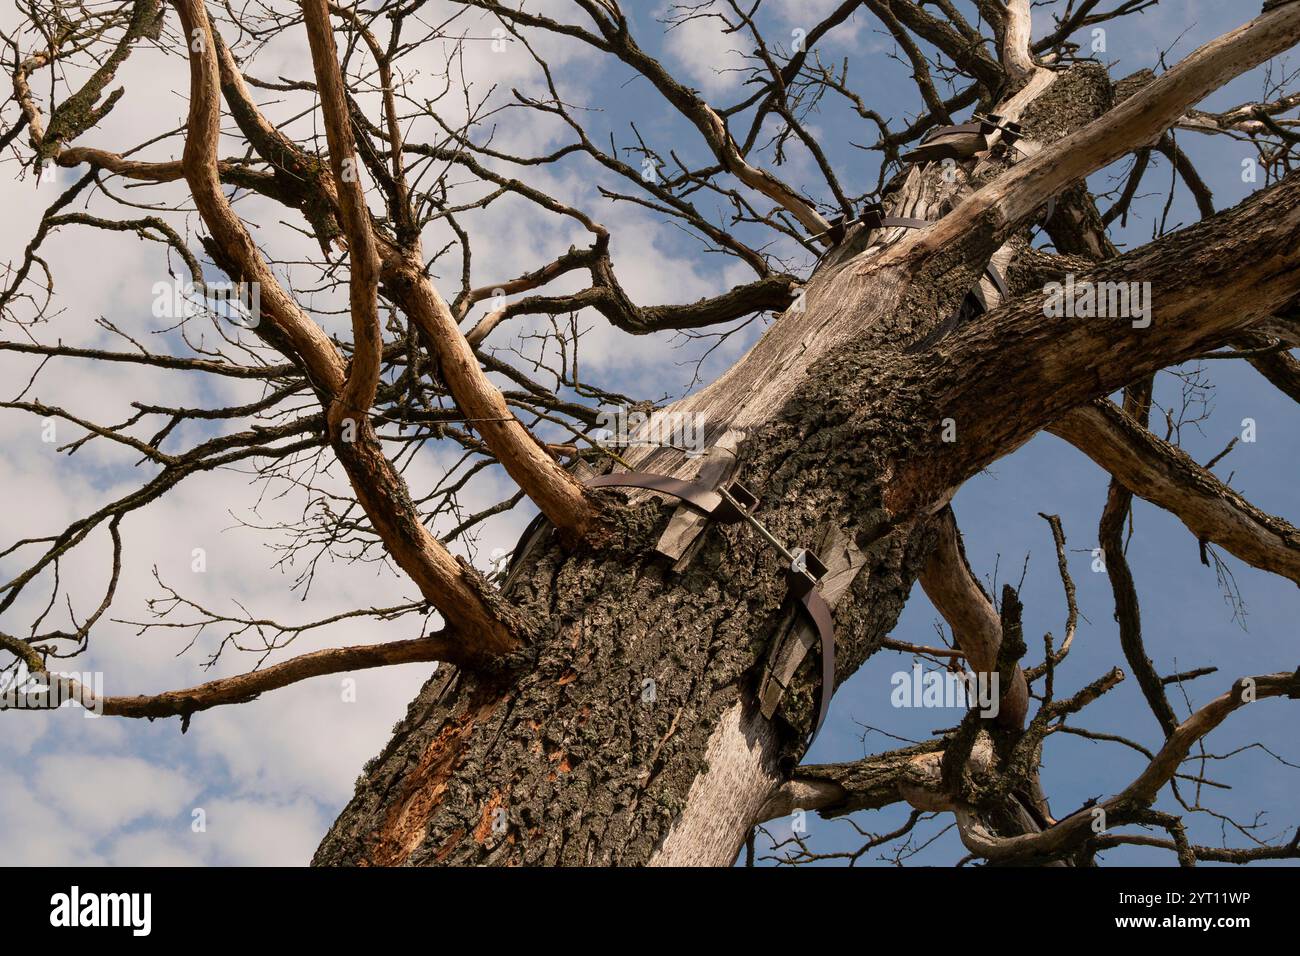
(908, 349)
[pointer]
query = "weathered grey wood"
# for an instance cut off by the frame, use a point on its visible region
(717, 467)
(840, 423)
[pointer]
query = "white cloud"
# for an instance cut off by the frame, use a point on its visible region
(256, 833)
(100, 792)
(708, 56)
(159, 847)
(34, 834)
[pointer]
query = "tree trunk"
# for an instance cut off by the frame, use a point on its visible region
(626, 732)
(566, 754)
(570, 756)
(602, 707)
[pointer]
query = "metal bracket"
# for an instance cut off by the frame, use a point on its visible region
(717, 466)
(726, 505)
(835, 232)
(735, 503)
(964, 139)
(873, 217)
(805, 568)
(951, 142)
(731, 504)
(1010, 129)
(804, 573)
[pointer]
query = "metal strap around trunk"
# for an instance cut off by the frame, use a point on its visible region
(999, 283)
(1011, 131)
(819, 612)
(717, 507)
(705, 499)
(951, 142)
(984, 125)
(982, 128)
(873, 218)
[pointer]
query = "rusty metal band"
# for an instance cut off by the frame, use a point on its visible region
(984, 125)
(693, 494)
(819, 612)
(712, 504)
(938, 131)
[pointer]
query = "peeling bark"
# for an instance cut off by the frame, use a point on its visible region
(842, 434)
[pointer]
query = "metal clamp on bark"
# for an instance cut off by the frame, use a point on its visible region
(872, 217)
(963, 140)
(704, 499)
(951, 142)
(1011, 130)
(726, 506)
(732, 504)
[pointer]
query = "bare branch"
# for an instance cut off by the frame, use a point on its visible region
(1164, 475)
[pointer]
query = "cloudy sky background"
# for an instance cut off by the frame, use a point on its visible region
(270, 776)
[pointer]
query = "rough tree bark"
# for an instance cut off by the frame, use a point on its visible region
(561, 761)
(600, 707)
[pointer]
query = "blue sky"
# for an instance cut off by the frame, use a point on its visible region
(269, 776)
(1186, 621)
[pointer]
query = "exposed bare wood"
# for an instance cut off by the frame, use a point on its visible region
(634, 682)
(1016, 29)
(976, 626)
